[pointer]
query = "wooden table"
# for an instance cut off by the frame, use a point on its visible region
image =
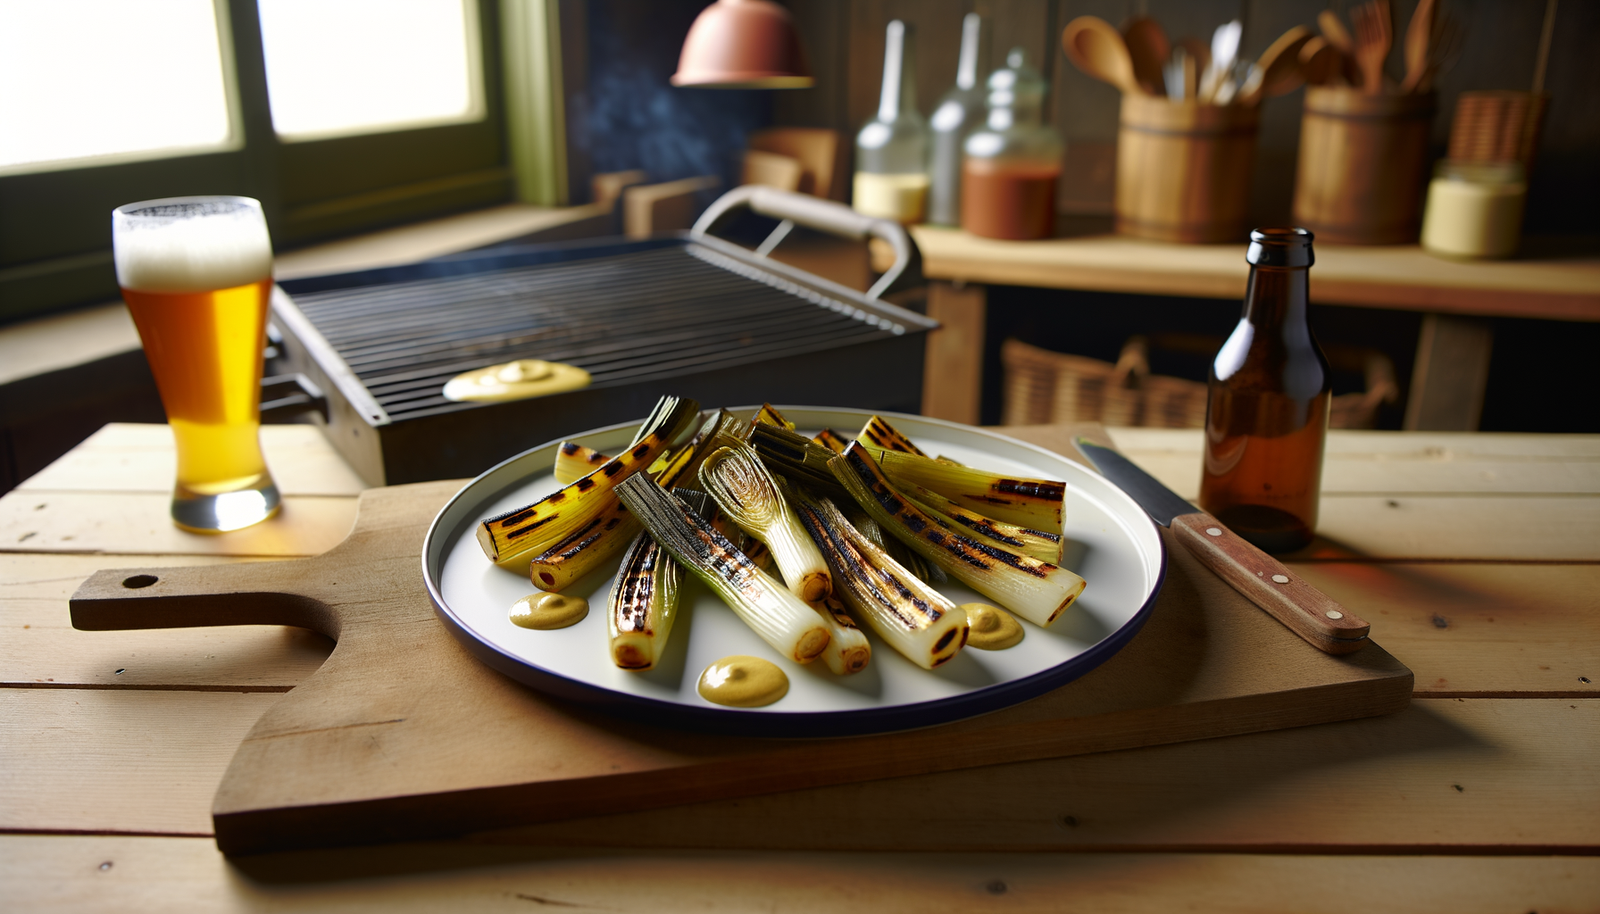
(1452, 364)
(1476, 558)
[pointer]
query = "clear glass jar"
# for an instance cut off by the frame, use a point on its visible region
(1011, 164)
(891, 179)
(1474, 209)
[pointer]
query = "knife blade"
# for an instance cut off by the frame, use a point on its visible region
(1263, 580)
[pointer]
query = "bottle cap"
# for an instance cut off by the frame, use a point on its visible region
(1280, 247)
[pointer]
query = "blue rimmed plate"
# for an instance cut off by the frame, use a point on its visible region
(1110, 541)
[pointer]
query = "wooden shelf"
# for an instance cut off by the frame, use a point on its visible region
(1394, 277)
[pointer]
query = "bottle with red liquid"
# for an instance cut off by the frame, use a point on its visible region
(1267, 414)
(1010, 165)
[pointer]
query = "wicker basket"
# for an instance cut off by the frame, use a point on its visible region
(1048, 388)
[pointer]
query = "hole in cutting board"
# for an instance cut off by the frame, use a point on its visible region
(139, 580)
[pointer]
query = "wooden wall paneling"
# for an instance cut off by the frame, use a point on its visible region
(824, 27)
(938, 44)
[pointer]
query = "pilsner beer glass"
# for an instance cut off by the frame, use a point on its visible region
(196, 273)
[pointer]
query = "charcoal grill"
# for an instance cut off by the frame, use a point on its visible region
(691, 315)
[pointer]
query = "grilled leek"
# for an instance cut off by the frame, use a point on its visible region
(907, 614)
(745, 490)
(556, 518)
(1032, 503)
(848, 649)
(780, 618)
(796, 458)
(643, 602)
(1041, 545)
(830, 439)
(574, 461)
(880, 434)
(1037, 591)
(769, 415)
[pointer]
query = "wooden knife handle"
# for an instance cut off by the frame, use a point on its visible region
(1266, 582)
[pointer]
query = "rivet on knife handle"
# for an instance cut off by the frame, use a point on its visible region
(1266, 582)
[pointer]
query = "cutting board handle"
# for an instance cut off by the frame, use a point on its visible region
(254, 593)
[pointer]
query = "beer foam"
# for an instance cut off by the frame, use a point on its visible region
(191, 245)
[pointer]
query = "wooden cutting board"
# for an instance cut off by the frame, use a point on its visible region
(402, 734)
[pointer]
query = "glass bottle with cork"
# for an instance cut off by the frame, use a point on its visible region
(1008, 177)
(1267, 411)
(891, 179)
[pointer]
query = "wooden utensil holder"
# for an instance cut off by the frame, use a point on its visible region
(1363, 165)
(1183, 169)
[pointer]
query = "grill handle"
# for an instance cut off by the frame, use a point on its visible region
(824, 216)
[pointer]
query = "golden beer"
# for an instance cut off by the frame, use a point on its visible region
(196, 275)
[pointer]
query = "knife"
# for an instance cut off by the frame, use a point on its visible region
(1263, 580)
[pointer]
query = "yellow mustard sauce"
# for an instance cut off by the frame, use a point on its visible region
(743, 682)
(545, 611)
(993, 629)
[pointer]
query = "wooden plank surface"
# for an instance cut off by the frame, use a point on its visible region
(378, 741)
(121, 522)
(1503, 647)
(1399, 276)
(130, 457)
(1440, 500)
(113, 762)
(1450, 623)
(137, 874)
(41, 649)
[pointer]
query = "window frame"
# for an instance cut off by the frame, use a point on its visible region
(55, 238)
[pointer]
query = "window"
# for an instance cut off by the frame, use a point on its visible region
(380, 111)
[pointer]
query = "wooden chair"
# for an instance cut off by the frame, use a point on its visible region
(816, 149)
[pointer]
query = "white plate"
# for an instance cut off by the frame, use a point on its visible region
(1109, 540)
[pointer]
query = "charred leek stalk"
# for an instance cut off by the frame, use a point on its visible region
(880, 434)
(903, 555)
(848, 650)
(1032, 503)
(748, 494)
(782, 619)
(830, 439)
(1037, 591)
(574, 461)
(1045, 547)
(769, 415)
(554, 520)
(643, 602)
(795, 457)
(910, 616)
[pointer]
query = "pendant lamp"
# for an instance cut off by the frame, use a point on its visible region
(743, 44)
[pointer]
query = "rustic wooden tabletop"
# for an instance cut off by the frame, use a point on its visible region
(1476, 558)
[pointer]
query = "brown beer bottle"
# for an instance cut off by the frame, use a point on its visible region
(1267, 413)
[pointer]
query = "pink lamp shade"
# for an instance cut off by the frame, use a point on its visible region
(743, 44)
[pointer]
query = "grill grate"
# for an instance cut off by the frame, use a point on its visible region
(628, 318)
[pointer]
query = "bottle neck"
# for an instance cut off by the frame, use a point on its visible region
(899, 75)
(1278, 296)
(970, 64)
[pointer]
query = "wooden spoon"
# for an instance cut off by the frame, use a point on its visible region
(1198, 51)
(1338, 36)
(1320, 63)
(1096, 47)
(1148, 46)
(1419, 34)
(1374, 37)
(1280, 67)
